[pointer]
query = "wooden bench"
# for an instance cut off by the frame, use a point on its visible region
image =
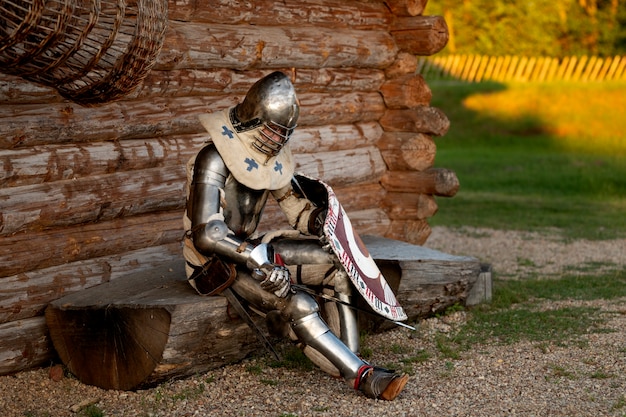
(150, 326)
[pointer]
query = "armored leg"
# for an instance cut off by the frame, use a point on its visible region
(301, 312)
(342, 319)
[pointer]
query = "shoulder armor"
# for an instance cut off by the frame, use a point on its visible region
(209, 167)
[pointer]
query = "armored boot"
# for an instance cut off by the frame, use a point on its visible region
(380, 383)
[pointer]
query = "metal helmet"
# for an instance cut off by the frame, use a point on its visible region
(271, 103)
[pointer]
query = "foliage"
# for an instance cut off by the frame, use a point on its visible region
(542, 27)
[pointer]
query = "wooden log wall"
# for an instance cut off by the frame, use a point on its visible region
(90, 194)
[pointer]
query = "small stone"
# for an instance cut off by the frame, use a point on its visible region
(56, 373)
(83, 404)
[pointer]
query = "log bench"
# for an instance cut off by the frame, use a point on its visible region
(150, 326)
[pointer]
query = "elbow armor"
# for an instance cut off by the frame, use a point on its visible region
(215, 238)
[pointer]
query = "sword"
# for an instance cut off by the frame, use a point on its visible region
(240, 309)
(337, 300)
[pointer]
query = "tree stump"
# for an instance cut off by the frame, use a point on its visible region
(144, 328)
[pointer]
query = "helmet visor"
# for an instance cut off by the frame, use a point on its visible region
(273, 136)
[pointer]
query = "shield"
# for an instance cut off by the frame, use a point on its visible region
(351, 251)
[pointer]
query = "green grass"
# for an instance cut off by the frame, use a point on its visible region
(576, 287)
(558, 326)
(292, 358)
(535, 156)
(517, 313)
(92, 411)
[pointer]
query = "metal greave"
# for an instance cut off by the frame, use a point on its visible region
(348, 320)
(314, 332)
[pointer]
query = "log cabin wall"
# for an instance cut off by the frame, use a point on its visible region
(89, 194)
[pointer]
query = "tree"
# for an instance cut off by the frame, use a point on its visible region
(538, 27)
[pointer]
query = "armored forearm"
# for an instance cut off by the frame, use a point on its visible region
(215, 238)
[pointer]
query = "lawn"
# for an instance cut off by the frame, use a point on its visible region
(535, 156)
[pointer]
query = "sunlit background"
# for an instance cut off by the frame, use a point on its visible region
(535, 152)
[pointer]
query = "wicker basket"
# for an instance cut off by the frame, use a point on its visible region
(91, 51)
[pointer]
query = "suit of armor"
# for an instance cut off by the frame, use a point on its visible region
(229, 182)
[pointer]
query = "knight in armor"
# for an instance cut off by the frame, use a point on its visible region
(229, 181)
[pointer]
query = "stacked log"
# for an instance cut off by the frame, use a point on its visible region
(90, 194)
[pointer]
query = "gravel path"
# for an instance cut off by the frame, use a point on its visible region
(527, 254)
(523, 379)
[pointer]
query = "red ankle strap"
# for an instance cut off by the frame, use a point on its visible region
(360, 374)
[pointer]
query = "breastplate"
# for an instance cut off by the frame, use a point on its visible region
(243, 208)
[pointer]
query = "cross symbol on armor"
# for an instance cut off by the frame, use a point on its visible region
(227, 132)
(278, 167)
(251, 164)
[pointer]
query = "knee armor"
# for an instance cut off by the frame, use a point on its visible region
(302, 313)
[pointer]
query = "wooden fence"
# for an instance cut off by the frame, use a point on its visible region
(476, 68)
